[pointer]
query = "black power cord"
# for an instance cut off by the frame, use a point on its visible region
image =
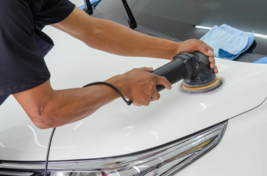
(54, 129)
(48, 151)
(115, 88)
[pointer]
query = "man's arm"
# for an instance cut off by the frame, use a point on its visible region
(49, 108)
(114, 38)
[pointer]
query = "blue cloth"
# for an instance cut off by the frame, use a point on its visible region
(228, 42)
(261, 61)
(92, 2)
(82, 6)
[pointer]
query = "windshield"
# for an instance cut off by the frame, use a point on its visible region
(178, 18)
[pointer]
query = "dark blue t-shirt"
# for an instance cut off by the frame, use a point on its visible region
(23, 45)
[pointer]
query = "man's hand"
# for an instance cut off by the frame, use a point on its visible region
(193, 45)
(139, 85)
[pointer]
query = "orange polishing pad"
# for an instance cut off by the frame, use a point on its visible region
(206, 88)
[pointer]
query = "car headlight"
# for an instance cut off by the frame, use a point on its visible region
(164, 160)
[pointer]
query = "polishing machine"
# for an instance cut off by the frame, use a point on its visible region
(195, 71)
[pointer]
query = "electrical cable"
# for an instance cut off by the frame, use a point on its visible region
(54, 129)
(115, 88)
(48, 151)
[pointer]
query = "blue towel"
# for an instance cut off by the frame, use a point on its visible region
(82, 6)
(261, 61)
(92, 2)
(228, 42)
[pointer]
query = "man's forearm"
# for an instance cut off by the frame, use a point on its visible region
(75, 104)
(115, 38)
(49, 108)
(118, 39)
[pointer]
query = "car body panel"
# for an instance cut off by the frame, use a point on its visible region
(242, 152)
(118, 129)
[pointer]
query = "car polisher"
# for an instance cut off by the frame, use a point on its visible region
(195, 71)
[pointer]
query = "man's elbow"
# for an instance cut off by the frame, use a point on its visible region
(42, 126)
(42, 122)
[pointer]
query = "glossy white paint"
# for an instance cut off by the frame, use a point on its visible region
(117, 129)
(242, 151)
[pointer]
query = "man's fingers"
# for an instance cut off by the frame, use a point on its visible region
(208, 52)
(148, 69)
(155, 96)
(136, 104)
(215, 69)
(207, 48)
(212, 65)
(211, 59)
(204, 48)
(160, 80)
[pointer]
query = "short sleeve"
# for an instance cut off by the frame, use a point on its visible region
(22, 65)
(53, 11)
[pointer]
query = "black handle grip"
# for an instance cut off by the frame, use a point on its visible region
(174, 71)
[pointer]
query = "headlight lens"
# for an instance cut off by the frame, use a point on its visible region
(164, 160)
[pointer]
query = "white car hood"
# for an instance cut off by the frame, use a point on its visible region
(118, 129)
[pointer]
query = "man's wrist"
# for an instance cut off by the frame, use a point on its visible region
(174, 49)
(119, 82)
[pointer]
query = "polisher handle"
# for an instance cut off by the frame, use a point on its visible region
(174, 71)
(190, 67)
